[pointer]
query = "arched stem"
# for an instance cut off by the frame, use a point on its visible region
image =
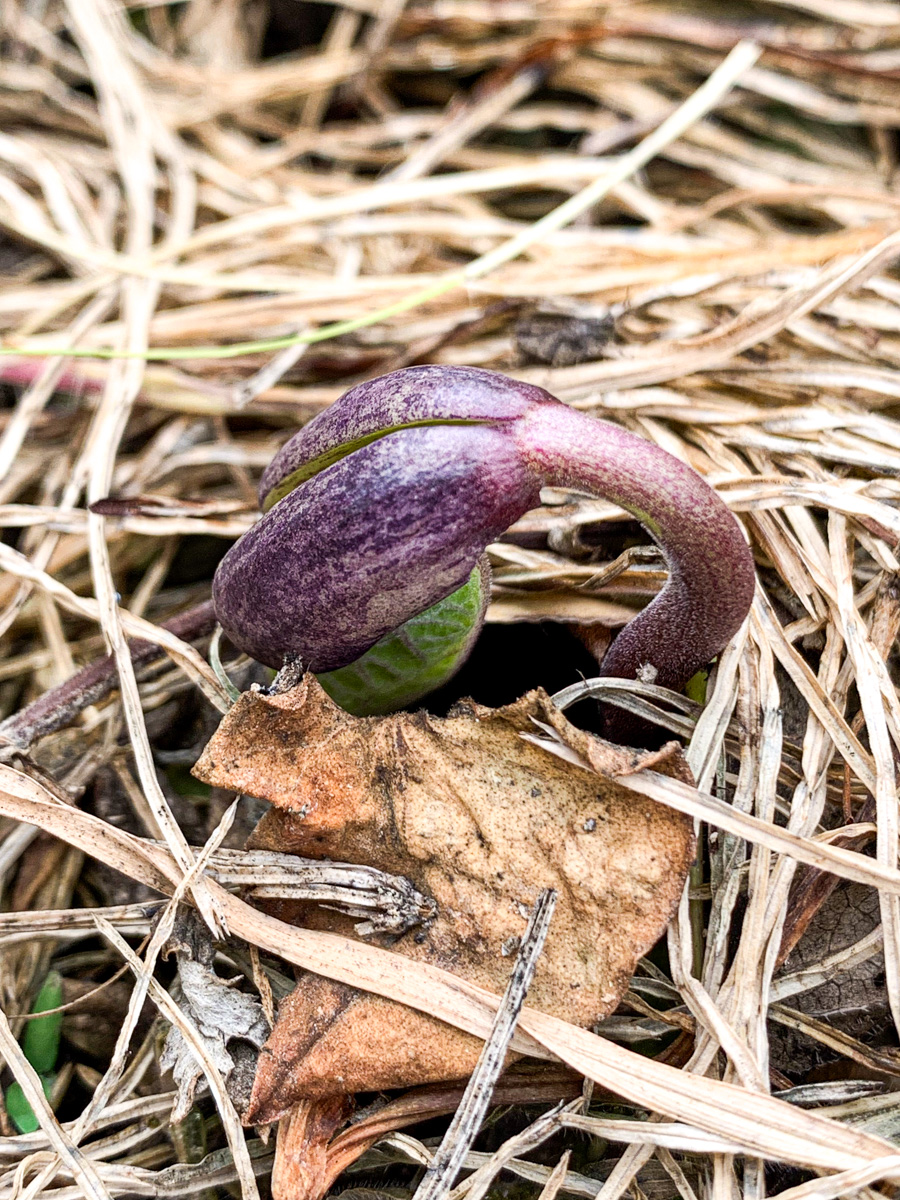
(711, 575)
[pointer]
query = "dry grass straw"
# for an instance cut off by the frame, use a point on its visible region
(163, 186)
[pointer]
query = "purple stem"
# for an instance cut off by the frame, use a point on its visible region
(711, 574)
(22, 372)
(61, 705)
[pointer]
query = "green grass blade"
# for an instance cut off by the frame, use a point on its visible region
(20, 1111)
(41, 1040)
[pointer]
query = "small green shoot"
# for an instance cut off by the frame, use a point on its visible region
(695, 688)
(40, 1044)
(20, 1111)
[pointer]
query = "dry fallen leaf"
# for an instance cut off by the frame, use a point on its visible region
(763, 1126)
(223, 1016)
(301, 1168)
(481, 820)
(852, 1000)
(310, 1155)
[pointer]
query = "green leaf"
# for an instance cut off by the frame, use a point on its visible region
(41, 1039)
(20, 1111)
(415, 659)
(695, 688)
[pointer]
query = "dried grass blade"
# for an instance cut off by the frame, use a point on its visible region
(845, 1183)
(552, 1187)
(230, 1120)
(868, 669)
(463, 1129)
(478, 1183)
(763, 1126)
(838, 730)
(181, 652)
(83, 1170)
(845, 863)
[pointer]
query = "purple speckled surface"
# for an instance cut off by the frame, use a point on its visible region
(711, 573)
(370, 542)
(413, 394)
(398, 524)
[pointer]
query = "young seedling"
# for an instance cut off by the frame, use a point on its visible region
(366, 564)
(41, 1045)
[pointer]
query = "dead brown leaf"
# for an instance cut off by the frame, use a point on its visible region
(304, 1135)
(482, 821)
(307, 1164)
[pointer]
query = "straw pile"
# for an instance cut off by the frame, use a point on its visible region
(191, 176)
